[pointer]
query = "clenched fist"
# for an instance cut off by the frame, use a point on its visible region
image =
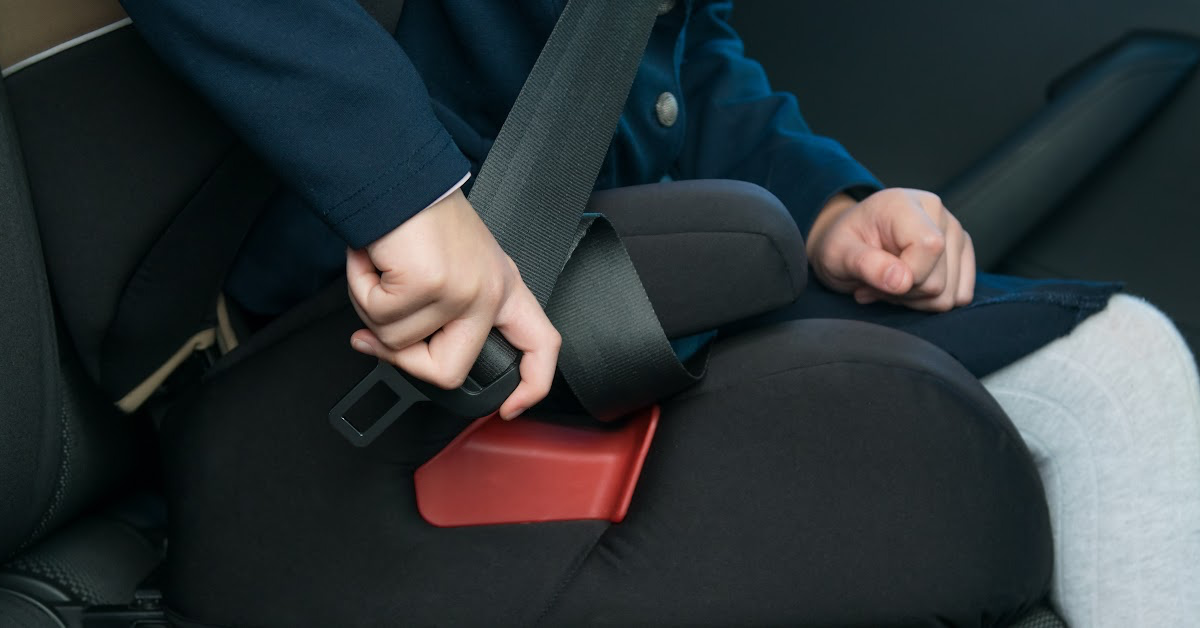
(897, 245)
(431, 290)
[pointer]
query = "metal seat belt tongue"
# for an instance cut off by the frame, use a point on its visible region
(531, 193)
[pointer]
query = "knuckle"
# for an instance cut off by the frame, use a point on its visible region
(943, 303)
(371, 318)
(390, 338)
(935, 285)
(449, 380)
(935, 243)
(491, 292)
(460, 296)
(432, 281)
(861, 264)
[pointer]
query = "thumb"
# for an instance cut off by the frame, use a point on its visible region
(365, 341)
(881, 270)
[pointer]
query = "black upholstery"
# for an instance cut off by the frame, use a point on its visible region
(96, 560)
(21, 611)
(1092, 113)
(1041, 617)
(63, 446)
(256, 472)
(115, 148)
(708, 252)
(30, 424)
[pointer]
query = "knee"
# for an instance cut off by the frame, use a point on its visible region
(1130, 348)
(1140, 323)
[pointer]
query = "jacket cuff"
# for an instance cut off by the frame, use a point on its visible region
(407, 187)
(805, 197)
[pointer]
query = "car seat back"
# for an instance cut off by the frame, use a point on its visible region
(61, 445)
(124, 164)
(100, 150)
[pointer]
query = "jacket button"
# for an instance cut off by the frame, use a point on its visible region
(667, 109)
(665, 6)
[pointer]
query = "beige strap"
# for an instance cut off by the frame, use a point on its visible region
(31, 27)
(136, 397)
(226, 337)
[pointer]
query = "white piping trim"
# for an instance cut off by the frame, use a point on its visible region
(46, 54)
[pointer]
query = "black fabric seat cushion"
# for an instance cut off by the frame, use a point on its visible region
(824, 472)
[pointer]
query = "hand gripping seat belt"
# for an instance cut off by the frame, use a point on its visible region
(531, 193)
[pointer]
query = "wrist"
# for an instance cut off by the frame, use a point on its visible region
(828, 215)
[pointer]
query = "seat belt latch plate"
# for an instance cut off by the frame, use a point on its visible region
(406, 396)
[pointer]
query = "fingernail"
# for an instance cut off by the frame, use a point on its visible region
(512, 415)
(894, 277)
(361, 346)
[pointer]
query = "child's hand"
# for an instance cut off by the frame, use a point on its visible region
(897, 245)
(431, 290)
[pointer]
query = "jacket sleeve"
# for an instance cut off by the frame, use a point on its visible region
(323, 93)
(738, 128)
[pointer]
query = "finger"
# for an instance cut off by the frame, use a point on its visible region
(952, 261)
(932, 205)
(941, 287)
(966, 276)
(934, 284)
(377, 301)
(413, 328)
(523, 323)
(365, 342)
(416, 359)
(866, 295)
(361, 276)
(455, 348)
(917, 239)
(879, 269)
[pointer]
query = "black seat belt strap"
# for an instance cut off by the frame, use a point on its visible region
(531, 192)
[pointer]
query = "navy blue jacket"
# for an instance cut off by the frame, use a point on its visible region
(366, 132)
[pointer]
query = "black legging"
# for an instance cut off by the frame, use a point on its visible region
(824, 473)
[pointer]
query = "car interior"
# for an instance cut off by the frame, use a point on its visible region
(1064, 136)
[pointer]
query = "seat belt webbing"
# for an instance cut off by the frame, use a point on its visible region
(531, 192)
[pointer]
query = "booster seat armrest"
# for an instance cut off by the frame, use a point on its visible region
(709, 252)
